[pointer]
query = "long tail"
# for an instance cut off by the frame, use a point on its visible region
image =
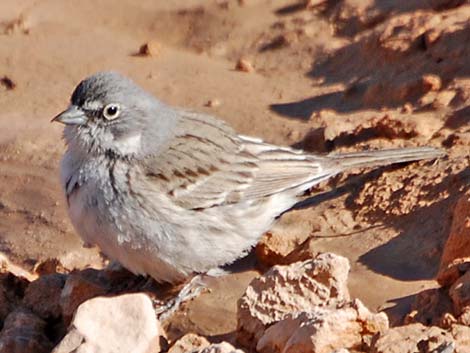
(368, 159)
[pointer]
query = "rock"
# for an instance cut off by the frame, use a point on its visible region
(24, 332)
(401, 32)
(222, 347)
(12, 289)
(43, 296)
(323, 330)
(371, 323)
(455, 260)
(197, 344)
(283, 248)
(461, 336)
(412, 338)
(21, 24)
(444, 98)
(7, 266)
(431, 307)
(447, 320)
(188, 343)
(79, 287)
(49, 266)
(213, 103)
(464, 318)
(310, 4)
(459, 292)
(151, 48)
(391, 125)
(125, 323)
(431, 82)
(307, 250)
(272, 249)
(282, 290)
(7, 83)
(407, 108)
(244, 65)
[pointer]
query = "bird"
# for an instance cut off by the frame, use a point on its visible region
(170, 193)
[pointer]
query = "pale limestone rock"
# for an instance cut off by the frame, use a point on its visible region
(412, 338)
(322, 330)
(300, 286)
(125, 323)
(7, 266)
(222, 347)
(461, 336)
(188, 343)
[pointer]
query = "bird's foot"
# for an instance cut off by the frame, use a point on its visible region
(190, 290)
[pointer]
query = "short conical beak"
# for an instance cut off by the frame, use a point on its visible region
(72, 116)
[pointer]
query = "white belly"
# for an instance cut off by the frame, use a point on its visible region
(162, 240)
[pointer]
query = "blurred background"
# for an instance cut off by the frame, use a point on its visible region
(324, 76)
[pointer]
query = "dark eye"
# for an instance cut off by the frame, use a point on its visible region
(111, 111)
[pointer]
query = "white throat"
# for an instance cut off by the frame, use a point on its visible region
(129, 144)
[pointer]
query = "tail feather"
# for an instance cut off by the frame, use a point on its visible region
(368, 159)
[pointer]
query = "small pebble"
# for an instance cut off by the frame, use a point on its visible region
(212, 103)
(432, 82)
(7, 83)
(407, 108)
(244, 65)
(151, 48)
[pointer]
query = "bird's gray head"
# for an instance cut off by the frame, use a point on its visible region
(110, 114)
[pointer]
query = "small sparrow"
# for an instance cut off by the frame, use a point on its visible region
(171, 193)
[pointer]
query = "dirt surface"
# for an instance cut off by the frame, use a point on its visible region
(337, 76)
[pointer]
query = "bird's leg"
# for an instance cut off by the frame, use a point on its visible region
(190, 290)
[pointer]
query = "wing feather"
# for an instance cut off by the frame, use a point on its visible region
(207, 164)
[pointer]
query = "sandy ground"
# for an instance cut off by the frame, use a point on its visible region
(343, 76)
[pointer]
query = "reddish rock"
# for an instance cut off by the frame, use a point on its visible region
(432, 82)
(213, 103)
(12, 290)
(151, 48)
(24, 332)
(459, 292)
(79, 287)
(49, 266)
(431, 307)
(43, 296)
(455, 260)
(279, 248)
(244, 65)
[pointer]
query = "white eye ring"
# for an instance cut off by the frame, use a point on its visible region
(111, 111)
